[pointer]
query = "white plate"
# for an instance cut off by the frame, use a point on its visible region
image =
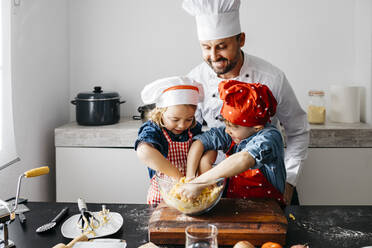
(95, 244)
(71, 230)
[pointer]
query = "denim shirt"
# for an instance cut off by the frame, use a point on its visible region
(265, 146)
(152, 134)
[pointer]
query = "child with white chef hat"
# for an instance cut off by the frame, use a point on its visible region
(163, 142)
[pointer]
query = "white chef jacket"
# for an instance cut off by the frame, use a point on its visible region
(288, 112)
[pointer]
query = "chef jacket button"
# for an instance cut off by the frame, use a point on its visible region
(246, 75)
(260, 185)
(214, 95)
(236, 176)
(244, 197)
(247, 187)
(216, 117)
(269, 192)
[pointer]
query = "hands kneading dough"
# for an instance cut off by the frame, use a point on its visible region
(206, 198)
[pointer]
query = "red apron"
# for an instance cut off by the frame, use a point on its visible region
(252, 184)
(177, 155)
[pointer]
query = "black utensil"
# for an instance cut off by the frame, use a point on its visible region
(22, 218)
(86, 219)
(54, 222)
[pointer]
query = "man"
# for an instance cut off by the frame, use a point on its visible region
(221, 40)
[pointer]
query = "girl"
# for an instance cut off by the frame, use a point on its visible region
(163, 142)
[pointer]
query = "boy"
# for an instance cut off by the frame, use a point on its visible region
(254, 148)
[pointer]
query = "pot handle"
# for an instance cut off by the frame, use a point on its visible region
(73, 102)
(122, 102)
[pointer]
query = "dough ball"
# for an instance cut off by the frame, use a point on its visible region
(243, 244)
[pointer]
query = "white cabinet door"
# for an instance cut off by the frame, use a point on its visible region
(101, 175)
(336, 176)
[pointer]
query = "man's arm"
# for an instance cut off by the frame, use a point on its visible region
(296, 127)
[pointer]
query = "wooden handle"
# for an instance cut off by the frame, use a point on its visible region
(82, 237)
(60, 245)
(37, 172)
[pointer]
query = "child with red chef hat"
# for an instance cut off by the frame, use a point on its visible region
(163, 142)
(253, 147)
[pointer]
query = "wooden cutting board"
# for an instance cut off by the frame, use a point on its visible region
(255, 220)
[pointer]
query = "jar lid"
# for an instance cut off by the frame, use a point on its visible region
(97, 94)
(316, 93)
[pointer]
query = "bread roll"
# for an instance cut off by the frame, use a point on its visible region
(243, 244)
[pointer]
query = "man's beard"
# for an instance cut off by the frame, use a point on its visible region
(230, 65)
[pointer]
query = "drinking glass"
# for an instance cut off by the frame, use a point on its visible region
(201, 236)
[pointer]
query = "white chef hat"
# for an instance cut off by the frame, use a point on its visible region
(172, 91)
(215, 19)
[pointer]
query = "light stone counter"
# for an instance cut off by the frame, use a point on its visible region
(341, 135)
(124, 133)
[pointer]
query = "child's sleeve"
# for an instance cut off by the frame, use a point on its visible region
(197, 129)
(268, 151)
(215, 139)
(266, 147)
(151, 134)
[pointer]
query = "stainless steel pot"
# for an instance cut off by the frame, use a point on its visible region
(97, 107)
(144, 111)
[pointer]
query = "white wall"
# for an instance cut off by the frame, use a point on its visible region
(363, 55)
(40, 92)
(123, 45)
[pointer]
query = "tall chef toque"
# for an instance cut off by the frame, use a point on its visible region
(215, 19)
(172, 91)
(246, 104)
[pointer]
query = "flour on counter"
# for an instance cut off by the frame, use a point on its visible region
(337, 227)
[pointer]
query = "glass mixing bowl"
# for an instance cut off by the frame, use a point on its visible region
(210, 196)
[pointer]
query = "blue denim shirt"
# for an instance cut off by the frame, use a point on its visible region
(151, 133)
(265, 146)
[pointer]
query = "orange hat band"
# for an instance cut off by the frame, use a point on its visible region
(182, 87)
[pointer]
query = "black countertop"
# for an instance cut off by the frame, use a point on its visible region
(319, 226)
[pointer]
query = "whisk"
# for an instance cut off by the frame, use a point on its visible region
(87, 220)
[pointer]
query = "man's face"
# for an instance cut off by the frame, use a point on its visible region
(222, 55)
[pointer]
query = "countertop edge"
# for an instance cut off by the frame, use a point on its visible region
(124, 134)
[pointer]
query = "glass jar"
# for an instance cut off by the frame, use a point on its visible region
(316, 111)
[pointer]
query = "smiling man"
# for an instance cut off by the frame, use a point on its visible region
(221, 41)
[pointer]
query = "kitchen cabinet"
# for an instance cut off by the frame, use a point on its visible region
(98, 174)
(336, 176)
(99, 164)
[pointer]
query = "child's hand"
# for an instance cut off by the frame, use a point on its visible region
(190, 190)
(189, 179)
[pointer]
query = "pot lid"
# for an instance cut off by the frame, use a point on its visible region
(96, 94)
